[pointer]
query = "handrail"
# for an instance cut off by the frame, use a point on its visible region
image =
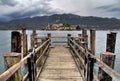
(8, 73)
(101, 64)
(37, 37)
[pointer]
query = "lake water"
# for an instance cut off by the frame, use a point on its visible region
(5, 41)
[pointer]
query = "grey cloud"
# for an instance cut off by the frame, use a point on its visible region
(110, 8)
(8, 2)
(32, 10)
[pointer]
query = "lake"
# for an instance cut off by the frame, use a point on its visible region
(5, 43)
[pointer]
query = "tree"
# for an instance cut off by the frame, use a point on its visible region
(78, 27)
(66, 25)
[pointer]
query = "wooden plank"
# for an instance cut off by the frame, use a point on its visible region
(60, 66)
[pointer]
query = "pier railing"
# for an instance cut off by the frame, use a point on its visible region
(85, 60)
(35, 60)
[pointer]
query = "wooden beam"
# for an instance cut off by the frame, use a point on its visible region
(10, 59)
(109, 59)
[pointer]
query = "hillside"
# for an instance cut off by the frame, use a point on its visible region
(39, 21)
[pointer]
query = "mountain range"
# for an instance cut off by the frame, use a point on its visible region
(38, 22)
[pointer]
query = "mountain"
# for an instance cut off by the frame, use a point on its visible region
(39, 21)
(1, 23)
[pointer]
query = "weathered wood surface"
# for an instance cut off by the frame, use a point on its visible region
(60, 66)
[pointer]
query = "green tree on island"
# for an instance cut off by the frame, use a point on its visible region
(78, 27)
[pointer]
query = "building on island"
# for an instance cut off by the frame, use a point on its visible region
(60, 26)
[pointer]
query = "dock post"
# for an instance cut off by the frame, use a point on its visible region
(30, 69)
(86, 41)
(111, 39)
(90, 61)
(92, 41)
(68, 37)
(80, 37)
(10, 59)
(84, 32)
(33, 40)
(49, 36)
(108, 57)
(16, 41)
(24, 42)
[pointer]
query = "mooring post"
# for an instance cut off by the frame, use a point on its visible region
(24, 42)
(108, 57)
(92, 41)
(16, 41)
(111, 39)
(10, 59)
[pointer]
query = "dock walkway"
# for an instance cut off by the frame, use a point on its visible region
(60, 66)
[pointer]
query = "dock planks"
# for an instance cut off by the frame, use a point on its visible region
(60, 66)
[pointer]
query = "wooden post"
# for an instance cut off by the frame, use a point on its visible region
(68, 37)
(109, 59)
(90, 61)
(92, 41)
(86, 41)
(24, 44)
(77, 41)
(30, 69)
(10, 59)
(16, 42)
(33, 40)
(49, 36)
(84, 32)
(80, 37)
(111, 39)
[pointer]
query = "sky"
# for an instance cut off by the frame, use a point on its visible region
(15, 9)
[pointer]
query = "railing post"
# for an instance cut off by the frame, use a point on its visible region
(86, 41)
(89, 60)
(80, 38)
(90, 68)
(11, 59)
(30, 69)
(108, 57)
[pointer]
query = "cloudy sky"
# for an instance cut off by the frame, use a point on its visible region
(14, 9)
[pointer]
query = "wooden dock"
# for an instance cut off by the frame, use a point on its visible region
(60, 66)
(59, 63)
